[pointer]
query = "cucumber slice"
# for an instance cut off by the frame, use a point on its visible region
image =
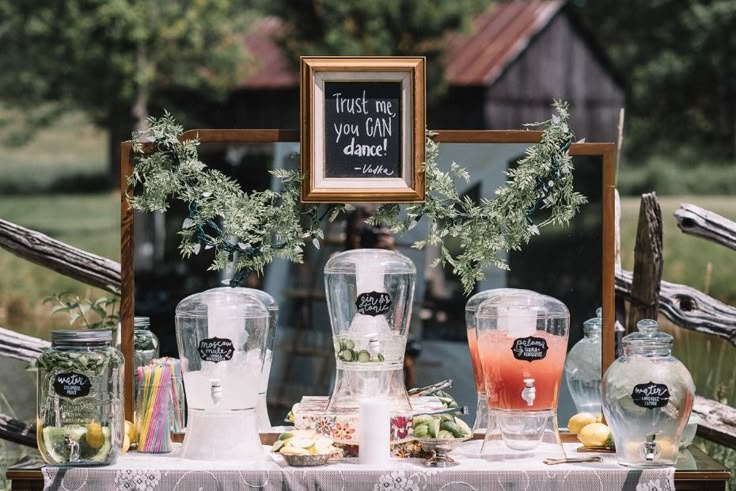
(338, 347)
(379, 357)
(348, 344)
(347, 355)
(433, 428)
(364, 356)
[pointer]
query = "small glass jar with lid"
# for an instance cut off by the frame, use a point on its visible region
(79, 406)
(583, 367)
(145, 341)
(647, 398)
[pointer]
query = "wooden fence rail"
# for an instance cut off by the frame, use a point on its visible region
(688, 308)
(56, 255)
(698, 221)
(20, 346)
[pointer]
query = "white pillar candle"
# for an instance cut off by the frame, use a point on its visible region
(374, 432)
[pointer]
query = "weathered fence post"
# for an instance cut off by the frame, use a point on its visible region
(648, 262)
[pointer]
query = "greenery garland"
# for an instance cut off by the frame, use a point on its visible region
(249, 229)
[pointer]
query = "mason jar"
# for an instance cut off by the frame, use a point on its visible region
(80, 393)
(145, 342)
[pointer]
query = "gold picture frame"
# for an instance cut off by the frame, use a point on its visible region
(362, 129)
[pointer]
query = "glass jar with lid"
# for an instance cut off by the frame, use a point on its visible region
(583, 367)
(145, 341)
(79, 405)
(647, 397)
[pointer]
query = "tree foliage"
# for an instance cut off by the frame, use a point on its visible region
(374, 27)
(107, 57)
(679, 57)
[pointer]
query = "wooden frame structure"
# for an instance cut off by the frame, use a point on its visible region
(604, 150)
(315, 74)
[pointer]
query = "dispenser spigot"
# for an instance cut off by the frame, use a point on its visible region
(530, 392)
(374, 347)
(215, 390)
(72, 447)
(650, 448)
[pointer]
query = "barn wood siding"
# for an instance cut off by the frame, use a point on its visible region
(557, 65)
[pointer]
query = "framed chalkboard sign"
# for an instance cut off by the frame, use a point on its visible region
(362, 129)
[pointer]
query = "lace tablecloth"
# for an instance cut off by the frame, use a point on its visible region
(167, 472)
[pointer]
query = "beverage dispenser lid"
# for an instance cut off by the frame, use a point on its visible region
(390, 262)
(648, 335)
(268, 300)
(239, 304)
(480, 297)
(544, 306)
(594, 323)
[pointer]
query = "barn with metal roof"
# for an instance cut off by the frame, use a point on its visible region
(516, 58)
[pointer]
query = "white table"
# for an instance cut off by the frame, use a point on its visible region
(167, 472)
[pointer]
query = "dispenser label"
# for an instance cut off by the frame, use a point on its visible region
(216, 349)
(530, 348)
(651, 395)
(72, 384)
(373, 303)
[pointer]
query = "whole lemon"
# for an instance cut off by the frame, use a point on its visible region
(594, 435)
(579, 421)
(130, 431)
(126, 443)
(95, 438)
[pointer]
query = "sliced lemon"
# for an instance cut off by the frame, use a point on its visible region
(294, 451)
(302, 442)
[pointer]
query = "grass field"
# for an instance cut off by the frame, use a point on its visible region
(70, 151)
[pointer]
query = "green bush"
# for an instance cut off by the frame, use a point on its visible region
(676, 177)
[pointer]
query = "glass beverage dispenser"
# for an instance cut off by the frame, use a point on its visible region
(264, 422)
(583, 368)
(522, 341)
(222, 336)
(369, 297)
(471, 307)
(647, 398)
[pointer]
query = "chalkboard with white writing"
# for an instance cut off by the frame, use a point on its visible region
(363, 129)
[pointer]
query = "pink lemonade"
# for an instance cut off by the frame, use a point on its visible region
(475, 358)
(504, 373)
